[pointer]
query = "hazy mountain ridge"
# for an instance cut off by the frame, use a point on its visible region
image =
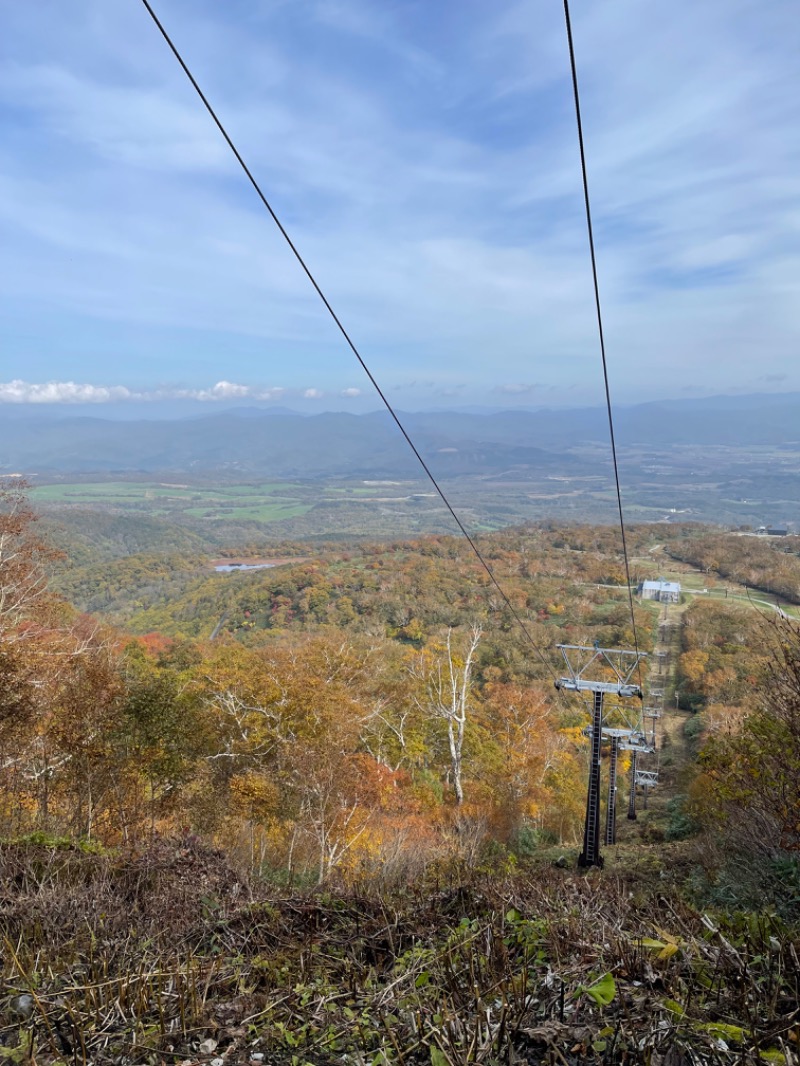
(281, 443)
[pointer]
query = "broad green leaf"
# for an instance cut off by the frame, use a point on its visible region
(602, 991)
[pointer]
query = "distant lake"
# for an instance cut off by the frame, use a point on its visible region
(228, 568)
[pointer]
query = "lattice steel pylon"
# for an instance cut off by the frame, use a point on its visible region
(632, 793)
(617, 667)
(611, 803)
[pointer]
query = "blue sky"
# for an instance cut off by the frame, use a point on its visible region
(424, 158)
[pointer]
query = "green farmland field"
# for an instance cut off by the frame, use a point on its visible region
(266, 502)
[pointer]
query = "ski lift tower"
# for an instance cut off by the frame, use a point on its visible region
(653, 713)
(647, 779)
(634, 741)
(582, 663)
(637, 745)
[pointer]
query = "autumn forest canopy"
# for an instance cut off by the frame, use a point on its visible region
(361, 706)
(367, 715)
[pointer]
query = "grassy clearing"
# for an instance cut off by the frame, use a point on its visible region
(697, 582)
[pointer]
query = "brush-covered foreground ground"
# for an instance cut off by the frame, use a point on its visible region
(168, 955)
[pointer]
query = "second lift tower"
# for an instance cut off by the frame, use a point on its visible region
(601, 671)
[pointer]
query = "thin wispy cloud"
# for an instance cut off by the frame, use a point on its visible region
(517, 388)
(424, 160)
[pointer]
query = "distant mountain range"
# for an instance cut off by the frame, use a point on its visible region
(281, 443)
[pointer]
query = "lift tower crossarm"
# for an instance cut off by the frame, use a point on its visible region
(647, 777)
(612, 687)
(622, 663)
(629, 739)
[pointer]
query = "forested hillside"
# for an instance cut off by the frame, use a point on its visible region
(394, 586)
(317, 723)
(770, 564)
(213, 701)
(370, 722)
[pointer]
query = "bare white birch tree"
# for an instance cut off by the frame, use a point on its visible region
(447, 696)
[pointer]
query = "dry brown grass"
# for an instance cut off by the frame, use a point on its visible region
(169, 956)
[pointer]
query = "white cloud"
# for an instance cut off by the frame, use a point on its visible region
(70, 392)
(350, 393)
(313, 394)
(516, 389)
(62, 392)
(223, 390)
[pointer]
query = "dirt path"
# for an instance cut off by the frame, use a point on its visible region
(663, 674)
(664, 721)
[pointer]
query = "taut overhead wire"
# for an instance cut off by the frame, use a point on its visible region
(514, 613)
(590, 230)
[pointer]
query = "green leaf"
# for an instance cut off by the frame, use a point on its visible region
(423, 979)
(438, 1058)
(602, 991)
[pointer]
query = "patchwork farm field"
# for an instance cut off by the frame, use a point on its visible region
(265, 502)
(349, 506)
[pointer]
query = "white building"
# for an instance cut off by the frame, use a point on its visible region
(663, 591)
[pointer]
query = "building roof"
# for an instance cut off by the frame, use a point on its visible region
(661, 586)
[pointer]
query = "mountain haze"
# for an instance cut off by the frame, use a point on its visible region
(282, 443)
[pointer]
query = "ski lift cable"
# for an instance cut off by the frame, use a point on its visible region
(590, 231)
(240, 160)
